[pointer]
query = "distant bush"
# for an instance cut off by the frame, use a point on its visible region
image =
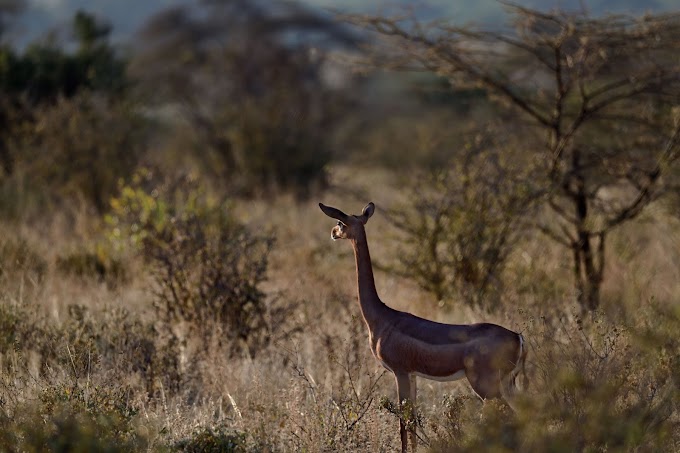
(18, 259)
(80, 148)
(207, 267)
(97, 264)
(258, 105)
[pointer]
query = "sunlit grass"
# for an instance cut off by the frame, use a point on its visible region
(83, 362)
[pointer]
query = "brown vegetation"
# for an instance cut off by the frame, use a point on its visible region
(164, 285)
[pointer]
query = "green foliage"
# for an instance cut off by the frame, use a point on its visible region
(104, 69)
(67, 421)
(139, 212)
(207, 267)
(109, 402)
(44, 72)
(217, 440)
(63, 122)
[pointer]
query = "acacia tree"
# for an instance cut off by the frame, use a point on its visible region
(600, 99)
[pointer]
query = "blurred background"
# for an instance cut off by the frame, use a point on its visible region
(167, 279)
(126, 16)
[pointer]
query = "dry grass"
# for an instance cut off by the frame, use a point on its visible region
(610, 382)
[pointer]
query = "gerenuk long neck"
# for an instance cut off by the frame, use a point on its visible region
(371, 306)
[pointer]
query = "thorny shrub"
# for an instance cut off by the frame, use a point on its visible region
(74, 373)
(119, 341)
(207, 267)
(461, 226)
(68, 429)
(23, 331)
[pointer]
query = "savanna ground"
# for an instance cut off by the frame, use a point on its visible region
(168, 281)
(86, 365)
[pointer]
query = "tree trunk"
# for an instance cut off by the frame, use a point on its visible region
(588, 259)
(588, 265)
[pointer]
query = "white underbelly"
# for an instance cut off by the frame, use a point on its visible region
(452, 377)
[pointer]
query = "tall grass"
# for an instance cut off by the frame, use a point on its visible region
(86, 365)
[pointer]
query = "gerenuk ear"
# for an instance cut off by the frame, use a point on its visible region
(367, 212)
(333, 213)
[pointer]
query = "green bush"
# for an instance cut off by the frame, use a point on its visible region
(67, 428)
(207, 267)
